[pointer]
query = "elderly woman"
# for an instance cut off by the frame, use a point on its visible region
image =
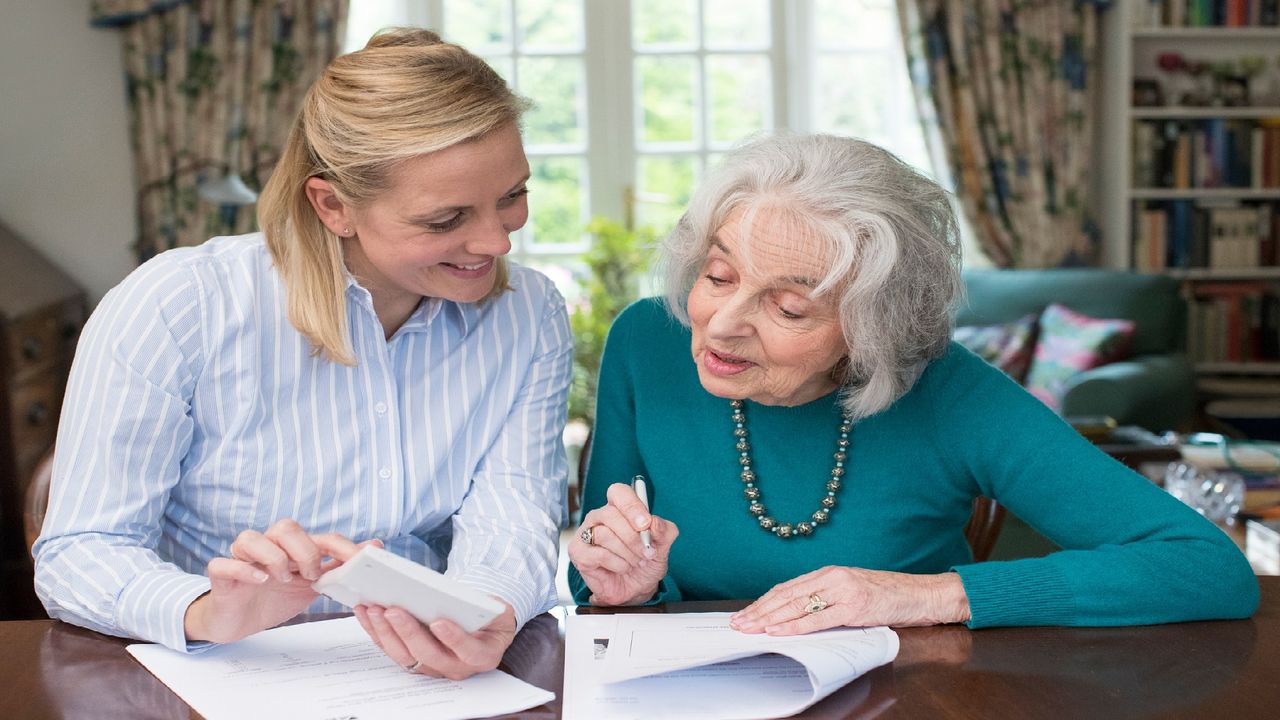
(368, 368)
(813, 439)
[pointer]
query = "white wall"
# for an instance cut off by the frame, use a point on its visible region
(66, 179)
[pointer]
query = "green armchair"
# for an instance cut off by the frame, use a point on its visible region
(1154, 387)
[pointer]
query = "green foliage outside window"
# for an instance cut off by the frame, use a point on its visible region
(617, 259)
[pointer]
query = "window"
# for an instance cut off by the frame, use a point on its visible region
(634, 99)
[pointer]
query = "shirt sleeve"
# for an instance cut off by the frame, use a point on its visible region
(615, 452)
(124, 430)
(1131, 553)
(506, 533)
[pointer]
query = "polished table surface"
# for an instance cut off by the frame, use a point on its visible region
(1209, 669)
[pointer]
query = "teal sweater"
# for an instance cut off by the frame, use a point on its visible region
(1131, 554)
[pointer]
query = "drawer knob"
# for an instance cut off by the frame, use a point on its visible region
(37, 413)
(31, 348)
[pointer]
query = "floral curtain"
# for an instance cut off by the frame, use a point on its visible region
(213, 88)
(1012, 84)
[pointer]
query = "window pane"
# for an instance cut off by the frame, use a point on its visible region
(665, 186)
(503, 65)
(550, 24)
(554, 199)
(739, 90)
(854, 107)
(556, 86)
(855, 24)
(668, 98)
(478, 25)
(567, 272)
(735, 23)
(664, 22)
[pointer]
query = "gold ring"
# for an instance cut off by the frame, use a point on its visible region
(816, 604)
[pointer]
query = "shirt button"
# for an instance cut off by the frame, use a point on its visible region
(384, 473)
(380, 408)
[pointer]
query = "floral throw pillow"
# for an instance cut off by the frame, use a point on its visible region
(1071, 342)
(1008, 346)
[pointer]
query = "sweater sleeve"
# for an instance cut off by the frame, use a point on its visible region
(1131, 554)
(615, 452)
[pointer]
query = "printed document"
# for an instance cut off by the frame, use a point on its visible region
(693, 665)
(325, 670)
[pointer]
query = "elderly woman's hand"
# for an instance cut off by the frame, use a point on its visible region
(611, 556)
(836, 596)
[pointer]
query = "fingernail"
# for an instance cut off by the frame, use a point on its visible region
(378, 542)
(442, 629)
(285, 577)
(641, 521)
(397, 616)
(260, 576)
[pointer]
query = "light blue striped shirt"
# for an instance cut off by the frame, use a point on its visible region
(195, 410)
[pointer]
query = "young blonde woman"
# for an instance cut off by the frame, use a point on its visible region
(368, 368)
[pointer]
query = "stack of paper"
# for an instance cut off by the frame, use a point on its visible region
(321, 670)
(693, 665)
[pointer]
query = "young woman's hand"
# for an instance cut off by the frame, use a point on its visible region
(442, 648)
(615, 564)
(265, 581)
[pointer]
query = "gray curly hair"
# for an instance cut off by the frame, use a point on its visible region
(889, 234)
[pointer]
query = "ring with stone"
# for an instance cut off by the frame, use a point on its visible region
(816, 604)
(414, 666)
(587, 536)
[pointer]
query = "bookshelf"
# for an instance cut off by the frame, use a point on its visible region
(1191, 167)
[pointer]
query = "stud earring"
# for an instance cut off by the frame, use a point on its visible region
(346, 231)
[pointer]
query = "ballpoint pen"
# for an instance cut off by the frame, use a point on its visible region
(637, 484)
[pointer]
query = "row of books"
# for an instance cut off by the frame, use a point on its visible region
(1234, 322)
(1205, 13)
(1213, 153)
(1205, 234)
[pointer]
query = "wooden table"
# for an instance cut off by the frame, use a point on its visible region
(1203, 670)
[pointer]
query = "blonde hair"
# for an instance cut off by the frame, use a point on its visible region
(888, 232)
(405, 94)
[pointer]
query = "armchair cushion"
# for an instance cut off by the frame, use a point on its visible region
(1070, 343)
(1008, 346)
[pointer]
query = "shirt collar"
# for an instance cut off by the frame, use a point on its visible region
(461, 315)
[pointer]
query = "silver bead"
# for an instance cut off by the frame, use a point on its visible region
(843, 443)
(735, 403)
(837, 471)
(828, 502)
(751, 493)
(784, 530)
(845, 428)
(743, 446)
(804, 528)
(748, 476)
(755, 508)
(740, 432)
(744, 460)
(833, 484)
(821, 516)
(840, 456)
(767, 522)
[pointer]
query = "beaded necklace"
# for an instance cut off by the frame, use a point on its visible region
(751, 491)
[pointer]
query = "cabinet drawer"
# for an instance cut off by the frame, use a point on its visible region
(34, 417)
(41, 340)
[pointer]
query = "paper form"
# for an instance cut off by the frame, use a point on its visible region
(324, 671)
(693, 665)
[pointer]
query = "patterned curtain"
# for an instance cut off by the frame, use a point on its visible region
(213, 87)
(1012, 84)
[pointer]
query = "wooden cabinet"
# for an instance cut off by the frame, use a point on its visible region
(41, 312)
